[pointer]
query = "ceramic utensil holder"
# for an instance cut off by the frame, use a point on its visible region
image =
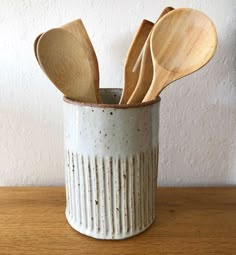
(111, 162)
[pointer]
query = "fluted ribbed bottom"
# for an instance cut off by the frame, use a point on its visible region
(97, 235)
(111, 198)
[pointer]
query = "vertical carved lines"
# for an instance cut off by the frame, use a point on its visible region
(95, 192)
(101, 197)
(131, 195)
(156, 156)
(111, 197)
(142, 192)
(69, 180)
(124, 194)
(138, 191)
(83, 194)
(67, 167)
(145, 188)
(78, 195)
(117, 192)
(88, 192)
(109, 194)
(150, 170)
(72, 173)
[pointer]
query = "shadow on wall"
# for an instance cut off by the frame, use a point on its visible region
(220, 117)
(229, 102)
(198, 121)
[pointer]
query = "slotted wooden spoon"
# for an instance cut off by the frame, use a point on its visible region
(65, 62)
(131, 75)
(146, 69)
(190, 43)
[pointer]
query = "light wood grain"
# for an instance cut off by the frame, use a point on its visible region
(146, 69)
(63, 58)
(131, 75)
(188, 45)
(77, 28)
(189, 221)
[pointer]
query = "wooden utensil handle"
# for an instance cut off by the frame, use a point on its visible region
(146, 70)
(164, 12)
(163, 78)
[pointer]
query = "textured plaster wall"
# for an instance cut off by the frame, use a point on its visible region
(198, 113)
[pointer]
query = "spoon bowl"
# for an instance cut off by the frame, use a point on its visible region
(188, 45)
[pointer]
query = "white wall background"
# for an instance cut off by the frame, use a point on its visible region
(198, 113)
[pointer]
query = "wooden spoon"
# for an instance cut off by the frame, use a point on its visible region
(65, 62)
(190, 43)
(146, 69)
(131, 76)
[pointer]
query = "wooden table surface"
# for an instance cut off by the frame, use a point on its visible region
(189, 221)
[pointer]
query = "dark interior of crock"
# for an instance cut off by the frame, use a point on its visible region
(110, 96)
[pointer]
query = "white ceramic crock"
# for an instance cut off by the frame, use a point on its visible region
(111, 155)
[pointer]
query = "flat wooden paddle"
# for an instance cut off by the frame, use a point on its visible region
(65, 62)
(188, 45)
(146, 69)
(131, 76)
(77, 28)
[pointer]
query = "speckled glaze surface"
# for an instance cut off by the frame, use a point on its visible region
(111, 163)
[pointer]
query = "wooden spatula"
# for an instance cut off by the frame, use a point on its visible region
(146, 69)
(77, 28)
(63, 58)
(131, 76)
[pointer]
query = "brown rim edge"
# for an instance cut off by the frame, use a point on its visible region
(116, 106)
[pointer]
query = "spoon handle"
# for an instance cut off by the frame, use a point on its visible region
(161, 79)
(131, 72)
(146, 69)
